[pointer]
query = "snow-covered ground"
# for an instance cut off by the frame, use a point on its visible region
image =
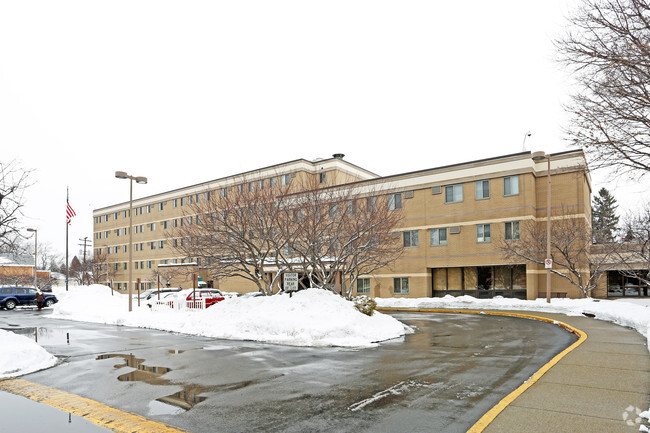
(309, 318)
(633, 313)
(21, 355)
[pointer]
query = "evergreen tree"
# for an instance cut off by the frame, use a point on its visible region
(604, 220)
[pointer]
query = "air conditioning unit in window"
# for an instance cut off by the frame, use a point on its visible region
(408, 194)
(454, 230)
(436, 190)
(395, 235)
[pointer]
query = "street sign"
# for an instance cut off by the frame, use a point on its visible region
(548, 263)
(291, 282)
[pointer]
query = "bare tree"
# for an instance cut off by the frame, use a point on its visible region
(608, 48)
(571, 243)
(13, 182)
(235, 233)
(340, 233)
(635, 249)
(330, 235)
(99, 269)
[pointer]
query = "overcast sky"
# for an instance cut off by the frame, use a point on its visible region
(185, 92)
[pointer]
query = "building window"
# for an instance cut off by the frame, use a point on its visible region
(401, 286)
(149, 264)
(511, 185)
(285, 179)
(126, 249)
(272, 182)
(135, 247)
(175, 203)
(160, 244)
(453, 193)
(148, 208)
(125, 214)
(240, 188)
(411, 239)
(182, 201)
(438, 237)
(363, 286)
(251, 186)
(322, 177)
(176, 223)
(482, 189)
(371, 204)
(136, 266)
(153, 227)
(165, 225)
(153, 245)
(160, 206)
(483, 233)
(512, 231)
(125, 267)
(260, 184)
(115, 216)
(395, 201)
(223, 193)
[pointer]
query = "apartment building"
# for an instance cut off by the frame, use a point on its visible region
(455, 220)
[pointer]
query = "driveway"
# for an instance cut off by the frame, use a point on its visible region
(441, 378)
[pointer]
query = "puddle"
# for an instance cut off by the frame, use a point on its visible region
(28, 416)
(183, 400)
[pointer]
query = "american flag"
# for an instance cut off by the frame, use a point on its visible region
(69, 212)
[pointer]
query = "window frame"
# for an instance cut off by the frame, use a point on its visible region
(402, 290)
(512, 231)
(440, 242)
(505, 181)
(454, 188)
(480, 233)
(481, 188)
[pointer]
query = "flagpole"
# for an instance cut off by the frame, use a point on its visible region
(67, 266)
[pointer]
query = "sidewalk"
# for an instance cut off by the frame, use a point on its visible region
(598, 387)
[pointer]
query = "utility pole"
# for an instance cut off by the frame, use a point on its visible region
(85, 264)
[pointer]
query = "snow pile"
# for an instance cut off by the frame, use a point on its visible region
(645, 415)
(21, 355)
(628, 314)
(309, 318)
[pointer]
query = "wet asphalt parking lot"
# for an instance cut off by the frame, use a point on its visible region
(442, 378)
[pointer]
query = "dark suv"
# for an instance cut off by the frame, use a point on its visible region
(10, 297)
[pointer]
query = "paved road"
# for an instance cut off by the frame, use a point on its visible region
(442, 378)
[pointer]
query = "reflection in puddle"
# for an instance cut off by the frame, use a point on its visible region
(185, 399)
(176, 351)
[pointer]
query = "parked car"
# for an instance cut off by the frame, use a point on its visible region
(150, 293)
(211, 296)
(251, 295)
(11, 297)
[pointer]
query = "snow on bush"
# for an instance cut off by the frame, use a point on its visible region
(365, 305)
(308, 318)
(21, 355)
(622, 313)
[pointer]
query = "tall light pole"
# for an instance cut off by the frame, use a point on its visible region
(35, 252)
(548, 263)
(138, 179)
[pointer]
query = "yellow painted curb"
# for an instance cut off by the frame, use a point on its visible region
(99, 413)
(490, 415)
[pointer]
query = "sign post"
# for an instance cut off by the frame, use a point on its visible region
(290, 282)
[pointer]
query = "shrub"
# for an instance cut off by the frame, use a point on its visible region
(365, 305)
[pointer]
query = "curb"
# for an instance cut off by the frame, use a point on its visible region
(98, 413)
(490, 415)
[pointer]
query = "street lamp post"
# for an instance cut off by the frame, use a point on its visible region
(138, 179)
(548, 263)
(35, 255)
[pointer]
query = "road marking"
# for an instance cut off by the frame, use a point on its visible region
(98, 413)
(490, 415)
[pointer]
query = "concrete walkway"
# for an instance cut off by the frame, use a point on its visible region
(598, 387)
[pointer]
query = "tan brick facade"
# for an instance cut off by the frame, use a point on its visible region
(512, 189)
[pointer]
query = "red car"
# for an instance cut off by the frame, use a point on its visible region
(211, 296)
